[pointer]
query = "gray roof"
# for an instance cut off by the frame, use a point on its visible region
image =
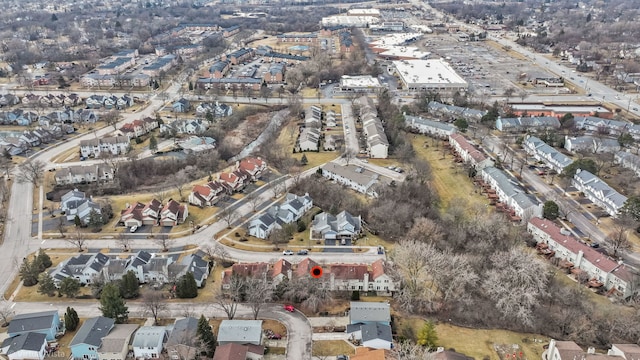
(356, 174)
(184, 331)
(416, 120)
(240, 331)
(29, 341)
(376, 331)
(32, 322)
(92, 331)
(369, 312)
(115, 340)
(149, 336)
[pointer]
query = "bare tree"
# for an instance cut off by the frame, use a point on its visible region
(348, 155)
(276, 187)
(406, 350)
(253, 199)
(124, 241)
(31, 171)
(77, 240)
(258, 292)
(62, 228)
(617, 242)
(6, 312)
(163, 241)
(228, 216)
(217, 252)
(154, 304)
(179, 181)
(227, 300)
(161, 195)
(111, 118)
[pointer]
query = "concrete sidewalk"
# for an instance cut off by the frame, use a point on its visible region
(329, 321)
(330, 336)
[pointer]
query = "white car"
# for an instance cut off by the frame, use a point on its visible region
(287, 252)
(133, 228)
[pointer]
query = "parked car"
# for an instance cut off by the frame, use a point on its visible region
(275, 337)
(380, 250)
(342, 357)
(303, 252)
(287, 252)
(133, 228)
(289, 308)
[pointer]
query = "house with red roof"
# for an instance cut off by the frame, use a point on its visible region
(208, 194)
(132, 216)
(468, 152)
(349, 277)
(381, 282)
(173, 213)
(151, 212)
(255, 167)
(579, 258)
(137, 128)
(281, 270)
(244, 270)
(232, 180)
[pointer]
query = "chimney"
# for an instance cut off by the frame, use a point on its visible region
(579, 258)
(440, 349)
(591, 350)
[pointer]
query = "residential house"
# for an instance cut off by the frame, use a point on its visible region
(369, 312)
(468, 152)
(519, 205)
(27, 346)
(244, 270)
(8, 100)
(173, 213)
(124, 102)
(377, 142)
(233, 180)
(290, 211)
(134, 129)
(452, 112)
(80, 174)
(348, 277)
(282, 270)
(343, 226)
(442, 354)
(193, 127)
(578, 257)
(275, 73)
(382, 283)
(208, 194)
(88, 338)
(193, 263)
(254, 166)
(563, 350)
(217, 110)
(628, 161)
(234, 351)
(183, 340)
(308, 140)
(375, 335)
(44, 322)
(626, 351)
(85, 268)
(197, 144)
(365, 353)
(356, 177)
(262, 226)
(240, 332)
(219, 69)
(304, 267)
(543, 152)
(116, 145)
(181, 106)
(29, 138)
(437, 129)
(533, 123)
(148, 342)
(238, 56)
(599, 192)
(69, 197)
(604, 126)
(115, 345)
(595, 145)
(95, 101)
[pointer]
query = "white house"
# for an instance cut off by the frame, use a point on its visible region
(433, 128)
(468, 152)
(148, 342)
(240, 332)
(208, 194)
(291, 210)
(84, 174)
(115, 145)
(173, 213)
(115, 346)
(377, 142)
(375, 335)
(356, 177)
(628, 161)
(601, 270)
(522, 206)
(595, 145)
(543, 152)
(599, 192)
(84, 268)
(342, 226)
(309, 139)
(28, 346)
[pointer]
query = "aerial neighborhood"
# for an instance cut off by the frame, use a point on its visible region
(319, 180)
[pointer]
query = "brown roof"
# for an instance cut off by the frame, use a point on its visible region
(245, 270)
(304, 267)
(202, 190)
(476, 154)
(250, 164)
(228, 177)
(569, 350)
(365, 353)
(281, 267)
(154, 205)
(348, 271)
(631, 351)
(231, 352)
(377, 269)
(173, 206)
(450, 355)
(135, 211)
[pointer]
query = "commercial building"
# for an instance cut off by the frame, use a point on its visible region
(434, 75)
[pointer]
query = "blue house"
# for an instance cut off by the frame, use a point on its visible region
(89, 337)
(181, 105)
(46, 322)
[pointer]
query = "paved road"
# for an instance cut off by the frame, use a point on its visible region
(298, 327)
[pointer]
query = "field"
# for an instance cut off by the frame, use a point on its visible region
(448, 178)
(332, 347)
(287, 140)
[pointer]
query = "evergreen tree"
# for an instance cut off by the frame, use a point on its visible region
(427, 335)
(70, 287)
(112, 305)
(153, 143)
(77, 221)
(190, 86)
(71, 319)
(186, 288)
(209, 116)
(206, 337)
(46, 286)
(43, 261)
(54, 17)
(95, 219)
(550, 210)
(129, 286)
(29, 272)
(303, 160)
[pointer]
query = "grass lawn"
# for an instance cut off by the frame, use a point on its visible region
(276, 350)
(31, 294)
(479, 343)
(287, 139)
(448, 178)
(332, 348)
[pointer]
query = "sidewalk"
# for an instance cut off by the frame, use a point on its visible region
(329, 320)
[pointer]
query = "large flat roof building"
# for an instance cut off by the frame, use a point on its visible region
(436, 75)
